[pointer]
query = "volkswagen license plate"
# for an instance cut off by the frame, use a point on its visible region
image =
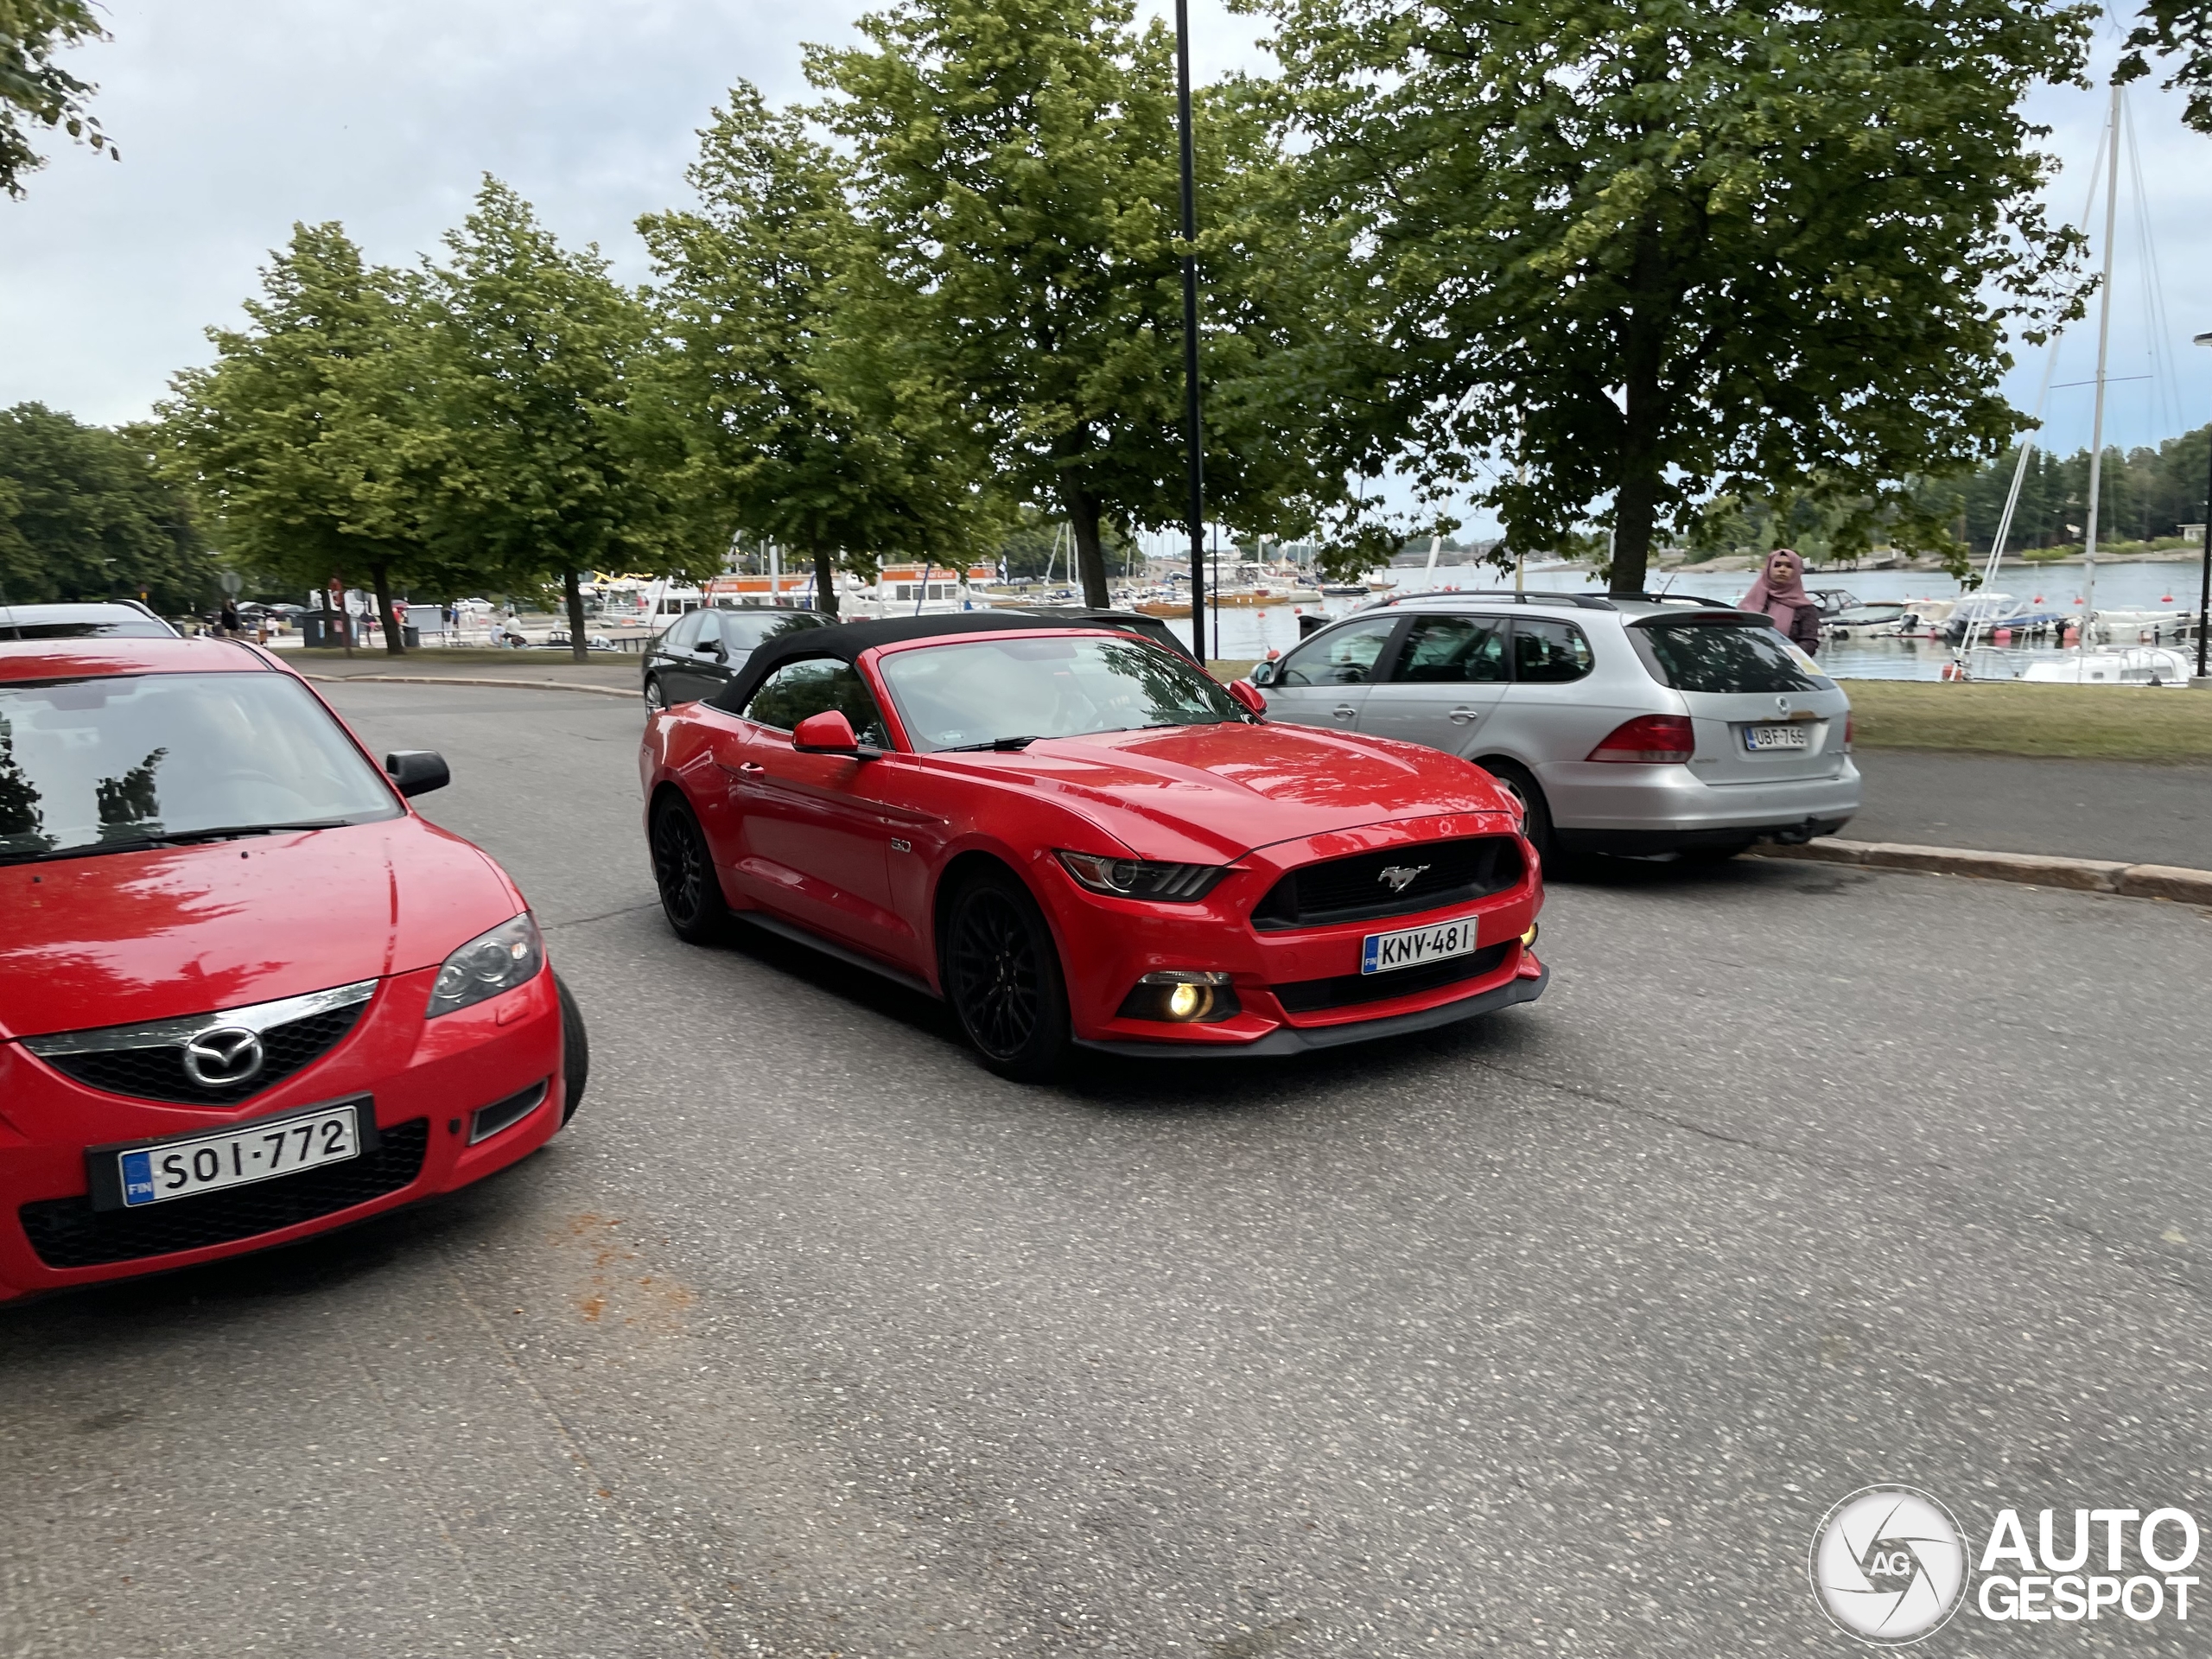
(1777, 737)
(251, 1152)
(1381, 952)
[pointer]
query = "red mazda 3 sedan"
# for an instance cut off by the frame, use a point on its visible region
(247, 995)
(1079, 839)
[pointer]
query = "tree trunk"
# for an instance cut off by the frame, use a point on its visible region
(825, 581)
(1090, 557)
(380, 573)
(345, 616)
(1636, 498)
(573, 594)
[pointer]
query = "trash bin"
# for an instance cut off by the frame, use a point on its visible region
(312, 631)
(411, 635)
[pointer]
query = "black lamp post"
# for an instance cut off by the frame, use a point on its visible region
(2204, 583)
(1193, 432)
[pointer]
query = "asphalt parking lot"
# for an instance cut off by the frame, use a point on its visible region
(1552, 1334)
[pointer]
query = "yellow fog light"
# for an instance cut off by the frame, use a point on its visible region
(1182, 996)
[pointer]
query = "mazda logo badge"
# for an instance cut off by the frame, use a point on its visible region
(222, 1057)
(1399, 876)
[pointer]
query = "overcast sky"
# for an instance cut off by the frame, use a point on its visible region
(238, 118)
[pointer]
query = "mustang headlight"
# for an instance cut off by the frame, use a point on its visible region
(510, 954)
(1138, 878)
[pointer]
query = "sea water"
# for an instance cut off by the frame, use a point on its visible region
(1240, 633)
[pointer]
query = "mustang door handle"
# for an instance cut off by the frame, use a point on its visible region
(1461, 716)
(1344, 711)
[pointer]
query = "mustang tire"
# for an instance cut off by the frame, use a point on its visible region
(683, 870)
(1003, 977)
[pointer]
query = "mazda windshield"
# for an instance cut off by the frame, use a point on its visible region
(110, 765)
(1003, 692)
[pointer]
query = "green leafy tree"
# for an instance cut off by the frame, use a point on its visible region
(1017, 159)
(2179, 31)
(811, 416)
(35, 89)
(312, 440)
(1614, 253)
(535, 353)
(84, 514)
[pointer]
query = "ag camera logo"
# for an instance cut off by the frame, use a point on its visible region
(1889, 1565)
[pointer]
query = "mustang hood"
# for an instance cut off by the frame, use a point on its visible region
(119, 938)
(1233, 788)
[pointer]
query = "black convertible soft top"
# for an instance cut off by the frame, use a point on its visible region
(847, 640)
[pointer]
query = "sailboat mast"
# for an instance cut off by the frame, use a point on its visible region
(2104, 348)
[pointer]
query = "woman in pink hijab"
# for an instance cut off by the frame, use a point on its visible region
(1778, 591)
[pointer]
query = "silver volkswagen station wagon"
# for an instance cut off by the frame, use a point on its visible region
(1632, 727)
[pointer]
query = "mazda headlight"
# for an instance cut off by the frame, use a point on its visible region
(510, 954)
(1138, 878)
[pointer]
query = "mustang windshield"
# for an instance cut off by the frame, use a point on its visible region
(979, 692)
(105, 765)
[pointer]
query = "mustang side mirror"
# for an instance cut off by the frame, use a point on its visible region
(1249, 695)
(417, 771)
(829, 733)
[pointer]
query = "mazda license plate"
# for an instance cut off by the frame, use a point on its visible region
(251, 1152)
(1777, 737)
(1381, 952)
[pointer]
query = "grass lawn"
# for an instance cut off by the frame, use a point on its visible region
(2067, 722)
(2060, 722)
(431, 655)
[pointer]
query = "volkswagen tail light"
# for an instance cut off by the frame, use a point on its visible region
(1649, 739)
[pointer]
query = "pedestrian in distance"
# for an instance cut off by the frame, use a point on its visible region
(229, 626)
(1778, 592)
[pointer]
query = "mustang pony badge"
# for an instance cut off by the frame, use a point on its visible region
(1399, 876)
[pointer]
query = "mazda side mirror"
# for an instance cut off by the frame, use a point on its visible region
(417, 771)
(829, 733)
(1262, 674)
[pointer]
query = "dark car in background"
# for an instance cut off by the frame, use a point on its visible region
(695, 655)
(121, 619)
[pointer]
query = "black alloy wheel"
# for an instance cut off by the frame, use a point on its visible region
(683, 870)
(575, 1051)
(1535, 811)
(1002, 974)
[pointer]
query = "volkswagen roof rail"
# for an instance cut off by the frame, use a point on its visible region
(1531, 596)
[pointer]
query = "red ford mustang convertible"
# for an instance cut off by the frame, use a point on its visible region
(246, 994)
(1079, 838)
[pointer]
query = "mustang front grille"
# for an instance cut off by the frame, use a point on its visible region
(70, 1233)
(1368, 887)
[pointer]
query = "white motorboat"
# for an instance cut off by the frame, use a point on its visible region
(2132, 665)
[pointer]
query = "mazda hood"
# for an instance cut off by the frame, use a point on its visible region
(120, 937)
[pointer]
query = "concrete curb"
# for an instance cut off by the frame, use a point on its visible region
(459, 679)
(2034, 870)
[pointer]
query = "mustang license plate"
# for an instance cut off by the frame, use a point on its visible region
(251, 1152)
(1777, 737)
(1381, 952)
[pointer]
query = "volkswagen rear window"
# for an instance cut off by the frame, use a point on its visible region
(1721, 654)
